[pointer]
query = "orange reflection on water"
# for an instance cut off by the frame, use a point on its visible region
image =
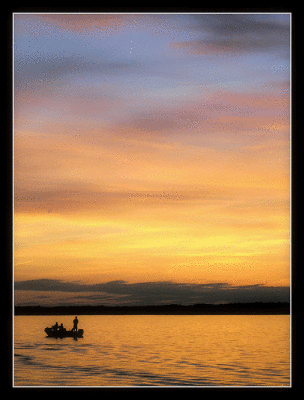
(178, 350)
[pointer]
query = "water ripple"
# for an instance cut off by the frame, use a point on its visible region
(144, 354)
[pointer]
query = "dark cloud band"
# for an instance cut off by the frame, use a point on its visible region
(144, 293)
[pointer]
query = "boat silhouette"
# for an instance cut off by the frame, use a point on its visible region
(52, 332)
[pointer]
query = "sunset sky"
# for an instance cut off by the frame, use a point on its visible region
(151, 152)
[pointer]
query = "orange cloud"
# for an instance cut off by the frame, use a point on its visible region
(74, 22)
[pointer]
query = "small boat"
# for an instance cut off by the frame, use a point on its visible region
(51, 332)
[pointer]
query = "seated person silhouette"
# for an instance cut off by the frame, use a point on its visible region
(55, 327)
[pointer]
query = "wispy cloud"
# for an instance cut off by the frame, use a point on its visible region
(232, 34)
(212, 111)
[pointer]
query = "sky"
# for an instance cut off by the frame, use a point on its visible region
(151, 158)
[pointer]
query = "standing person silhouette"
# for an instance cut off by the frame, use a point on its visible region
(75, 322)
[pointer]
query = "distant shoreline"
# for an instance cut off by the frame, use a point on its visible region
(171, 309)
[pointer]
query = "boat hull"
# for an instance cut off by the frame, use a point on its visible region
(57, 333)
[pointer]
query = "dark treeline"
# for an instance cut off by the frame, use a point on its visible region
(171, 309)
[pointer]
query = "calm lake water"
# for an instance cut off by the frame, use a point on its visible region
(160, 350)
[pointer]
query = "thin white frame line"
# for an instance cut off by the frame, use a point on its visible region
(290, 189)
